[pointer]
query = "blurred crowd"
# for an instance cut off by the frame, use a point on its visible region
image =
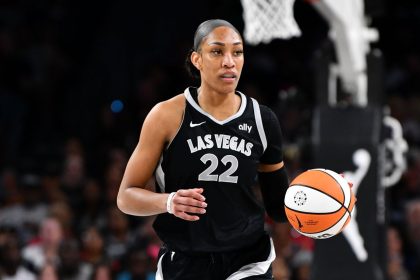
(76, 81)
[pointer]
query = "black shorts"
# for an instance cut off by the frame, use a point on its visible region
(253, 262)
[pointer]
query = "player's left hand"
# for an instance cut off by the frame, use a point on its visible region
(188, 202)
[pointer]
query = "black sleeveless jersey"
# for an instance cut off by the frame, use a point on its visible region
(222, 158)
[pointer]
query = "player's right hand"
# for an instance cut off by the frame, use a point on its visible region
(186, 203)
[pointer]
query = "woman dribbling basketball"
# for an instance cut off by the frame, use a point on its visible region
(206, 147)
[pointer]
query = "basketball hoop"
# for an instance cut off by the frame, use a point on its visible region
(266, 20)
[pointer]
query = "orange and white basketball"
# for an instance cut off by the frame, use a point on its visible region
(319, 203)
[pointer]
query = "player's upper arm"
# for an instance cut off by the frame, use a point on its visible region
(271, 172)
(158, 129)
(273, 154)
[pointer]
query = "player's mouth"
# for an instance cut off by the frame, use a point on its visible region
(229, 77)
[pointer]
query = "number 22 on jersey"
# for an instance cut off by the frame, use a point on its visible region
(226, 176)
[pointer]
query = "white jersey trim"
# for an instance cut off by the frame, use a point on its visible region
(160, 175)
(260, 126)
(191, 100)
(159, 273)
(253, 269)
(179, 127)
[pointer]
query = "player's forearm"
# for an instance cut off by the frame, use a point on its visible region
(141, 202)
(280, 233)
(273, 188)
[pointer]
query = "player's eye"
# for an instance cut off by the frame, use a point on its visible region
(216, 52)
(238, 53)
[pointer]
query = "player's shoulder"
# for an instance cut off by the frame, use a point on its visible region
(175, 103)
(166, 116)
(265, 109)
(170, 108)
(267, 114)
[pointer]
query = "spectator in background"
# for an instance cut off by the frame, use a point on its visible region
(27, 215)
(93, 246)
(11, 263)
(51, 186)
(93, 207)
(148, 238)
(113, 175)
(44, 250)
(301, 264)
(73, 174)
(61, 211)
(395, 265)
(102, 272)
(412, 217)
(118, 238)
(138, 266)
(71, 267)
(48, 272)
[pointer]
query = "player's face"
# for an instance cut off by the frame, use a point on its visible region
(221, 59)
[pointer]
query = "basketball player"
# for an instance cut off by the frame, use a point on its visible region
(207, 146)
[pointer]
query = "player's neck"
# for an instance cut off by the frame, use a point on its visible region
(220, 105)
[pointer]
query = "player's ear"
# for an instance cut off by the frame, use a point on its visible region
(196, 60)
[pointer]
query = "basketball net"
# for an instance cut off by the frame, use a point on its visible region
(266, 20)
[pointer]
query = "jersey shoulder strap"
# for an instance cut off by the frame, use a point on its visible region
(259, 123)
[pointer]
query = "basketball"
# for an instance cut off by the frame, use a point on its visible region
(319, 203)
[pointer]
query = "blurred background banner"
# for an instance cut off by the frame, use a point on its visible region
(78, 77)
(349, 141)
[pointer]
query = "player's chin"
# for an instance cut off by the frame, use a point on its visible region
(228, 87)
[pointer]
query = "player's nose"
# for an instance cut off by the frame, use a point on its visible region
(228, 61)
